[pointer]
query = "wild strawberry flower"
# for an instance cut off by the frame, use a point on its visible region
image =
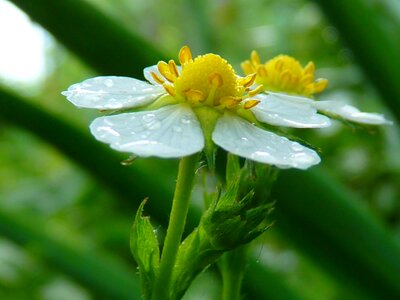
(183, 109)
(288, 88)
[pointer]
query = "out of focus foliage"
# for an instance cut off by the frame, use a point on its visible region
(60, 199)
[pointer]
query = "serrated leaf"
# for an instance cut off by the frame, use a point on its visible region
(145, 250)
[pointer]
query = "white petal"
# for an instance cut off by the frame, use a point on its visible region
(171, 131)
(153, 69)
(247, 140)
(147, 74)
(350, 113)
(284, 110)
(112, 92)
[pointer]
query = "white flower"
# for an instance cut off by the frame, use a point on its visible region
(181, 110)
(289, 87)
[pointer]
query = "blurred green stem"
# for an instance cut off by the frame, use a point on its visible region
(232, 265)
(180, 207)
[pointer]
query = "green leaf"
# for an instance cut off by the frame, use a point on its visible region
(145, 250)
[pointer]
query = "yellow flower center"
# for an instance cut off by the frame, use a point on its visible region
(285, 74)
(206, 80)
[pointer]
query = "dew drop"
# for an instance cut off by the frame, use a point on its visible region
(186, 120)
(108, 122)
(262, 155)
(243, 141)
(296, 147)
(177, 128)
(155, 125)
(113, 104)
(148, 118)
(108, 83)
(302, 158)
(106, 131)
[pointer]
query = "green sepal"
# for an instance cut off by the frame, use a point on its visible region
(145, 250)
(232, 168)
(195, 254)
(234, 217)
(208, 118)
(162, 101)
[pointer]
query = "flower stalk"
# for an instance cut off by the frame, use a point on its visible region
(180, 206)
(232, 265)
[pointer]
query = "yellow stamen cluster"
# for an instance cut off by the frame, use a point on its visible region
(284, 74)
(206, 80)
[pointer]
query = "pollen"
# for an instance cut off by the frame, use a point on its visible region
(211, 75)
(284, 74)
(205, 80)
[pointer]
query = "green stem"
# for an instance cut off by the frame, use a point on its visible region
(180, 206)
(232, 265)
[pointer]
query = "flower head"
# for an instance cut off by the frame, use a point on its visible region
(183, 109)
(207, 80)
(285, 74)
(288, 85)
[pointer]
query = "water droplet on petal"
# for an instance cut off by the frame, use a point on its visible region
(296, 147)
(108, 82)
(261, 154)
(148, 117)
(242, 142)
(108, 122)
(105, 130)
(177, 128)
(185, 120)
(155, 125)
(302, 158)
